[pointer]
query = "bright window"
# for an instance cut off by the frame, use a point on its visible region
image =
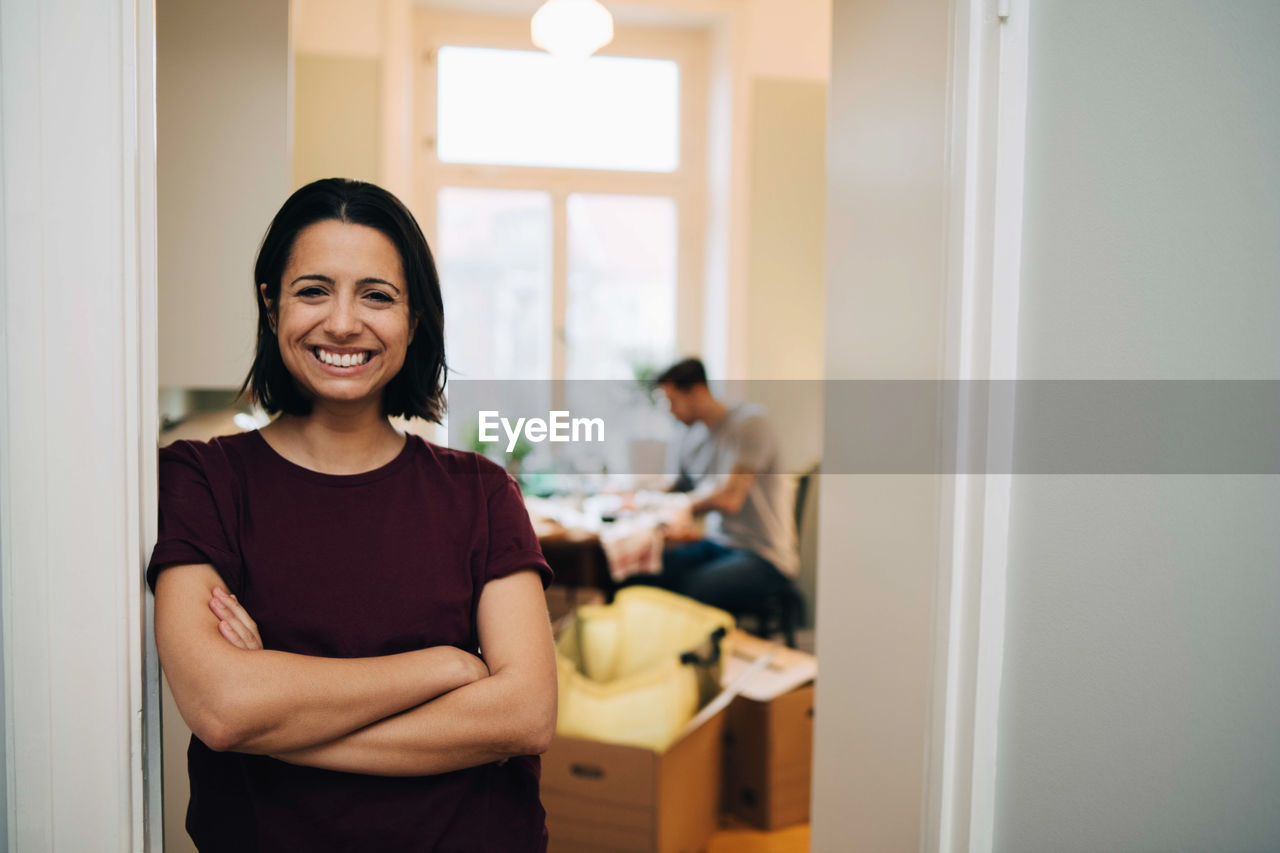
(494, 256)
(622, 284)
(564, 200)
(522, 108)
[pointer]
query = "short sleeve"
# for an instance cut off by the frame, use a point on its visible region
(513, 546)
(755, 446)
(197, 513)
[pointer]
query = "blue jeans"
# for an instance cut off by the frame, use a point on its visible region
(733, 579)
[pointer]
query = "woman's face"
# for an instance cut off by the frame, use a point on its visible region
(342, 320)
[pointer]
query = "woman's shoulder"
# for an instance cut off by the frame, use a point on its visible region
(217, 456)
(238, 443)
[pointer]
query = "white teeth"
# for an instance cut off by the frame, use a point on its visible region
(343, 360)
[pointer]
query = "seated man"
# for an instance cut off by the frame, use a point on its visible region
(728, 460)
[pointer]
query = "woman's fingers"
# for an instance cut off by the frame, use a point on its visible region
(229, 626)
(230, 611)
(242, 614)
(229, 634)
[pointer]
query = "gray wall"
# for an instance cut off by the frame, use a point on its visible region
(877, 535)
(4, 490)
(4, 755)
(1140, 707)
(222, 171)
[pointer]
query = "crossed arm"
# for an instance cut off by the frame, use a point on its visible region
(426, 711)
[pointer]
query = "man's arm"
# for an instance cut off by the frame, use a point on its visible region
(267, 701)
(729, 497)
(754, 447)
(512, 712)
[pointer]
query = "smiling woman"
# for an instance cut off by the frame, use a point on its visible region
(324, 585)
(341, 255)
(342, 332)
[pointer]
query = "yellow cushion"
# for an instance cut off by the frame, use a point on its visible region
(620, 675)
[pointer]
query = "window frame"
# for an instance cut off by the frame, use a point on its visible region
(686, 185)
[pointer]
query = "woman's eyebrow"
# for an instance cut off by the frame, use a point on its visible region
(327, 280)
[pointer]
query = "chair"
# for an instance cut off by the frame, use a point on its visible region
(781, 611)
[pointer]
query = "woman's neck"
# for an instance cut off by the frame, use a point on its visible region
(335, 441)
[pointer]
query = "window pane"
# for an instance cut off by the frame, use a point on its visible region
(494, 257)
(528, 108)
(622, 285)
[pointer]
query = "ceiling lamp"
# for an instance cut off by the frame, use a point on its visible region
(572, 29)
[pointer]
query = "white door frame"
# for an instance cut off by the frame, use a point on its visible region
(986, 153)
(925, 161)
(78, 433)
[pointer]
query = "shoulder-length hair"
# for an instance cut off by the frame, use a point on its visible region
(418, 389)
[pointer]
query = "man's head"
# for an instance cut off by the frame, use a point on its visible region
(685, 386)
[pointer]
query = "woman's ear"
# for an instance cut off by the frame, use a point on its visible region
(269, 305)
(413, 326)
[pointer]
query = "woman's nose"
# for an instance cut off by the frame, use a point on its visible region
(344, 318)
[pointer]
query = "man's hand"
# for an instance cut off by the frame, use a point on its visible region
(681, 533)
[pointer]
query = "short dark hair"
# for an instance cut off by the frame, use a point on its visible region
(683, 374)
(418, 389)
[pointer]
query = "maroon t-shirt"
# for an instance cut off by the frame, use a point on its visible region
(358, 565)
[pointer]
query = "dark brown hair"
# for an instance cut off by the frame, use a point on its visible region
(683, 374)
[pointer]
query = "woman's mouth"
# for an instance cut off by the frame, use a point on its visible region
(351, 358)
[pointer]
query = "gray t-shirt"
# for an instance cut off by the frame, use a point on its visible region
(766, 523)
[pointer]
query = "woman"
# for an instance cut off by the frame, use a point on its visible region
(324, 586)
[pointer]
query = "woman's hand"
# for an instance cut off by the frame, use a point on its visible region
(239, 629)
(511, 712)
(234, 622)
(472, 667)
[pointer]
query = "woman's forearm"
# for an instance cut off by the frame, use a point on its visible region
(236, 696)
(488, 720)
(271, 701)
(512, 712)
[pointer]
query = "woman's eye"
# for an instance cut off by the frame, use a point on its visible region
(307, 292)
(379, 296)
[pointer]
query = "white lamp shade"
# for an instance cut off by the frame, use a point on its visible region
(572, 28)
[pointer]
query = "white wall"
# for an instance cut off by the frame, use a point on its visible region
(367, 37)
(1139, 707)
(787, 47)
(785, 277)
(786, 238)
(878, 546)
(338, 27)
(789, 38)
(337, 128)
(223, 112)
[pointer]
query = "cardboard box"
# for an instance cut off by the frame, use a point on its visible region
(628, 799)
(768, 759)
(603, 796)
(768, 753)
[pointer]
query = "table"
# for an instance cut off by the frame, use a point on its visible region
(578, 560)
